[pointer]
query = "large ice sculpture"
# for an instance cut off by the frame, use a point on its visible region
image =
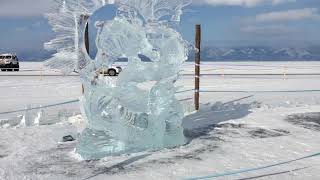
(122, 114)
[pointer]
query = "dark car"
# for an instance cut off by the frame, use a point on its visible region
(9, 62)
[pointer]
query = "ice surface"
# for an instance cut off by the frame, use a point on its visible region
(121, 116)
(35, 152)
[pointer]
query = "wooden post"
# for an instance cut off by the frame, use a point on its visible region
(86, 42)
(84, 18)
(86, 33)
(86, 38)
(197, 67)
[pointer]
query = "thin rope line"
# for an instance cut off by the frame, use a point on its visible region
(236, 91)
(252, 169)
(47, 106)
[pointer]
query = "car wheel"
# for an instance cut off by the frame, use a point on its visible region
(112, 72)
(10, 66)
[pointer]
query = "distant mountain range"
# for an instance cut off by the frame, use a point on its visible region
(259, 53)
(209, 53)
(30, 55)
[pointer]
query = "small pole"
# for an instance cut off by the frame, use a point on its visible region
(285, 73)
(222, 72)
(41, 73)
(82, 89)
(197, 67)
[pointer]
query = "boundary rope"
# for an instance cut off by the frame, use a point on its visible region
(284, 91)
(57, 104)
(47, 106)
(252, 169)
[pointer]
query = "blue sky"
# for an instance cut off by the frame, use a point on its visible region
(225, 23)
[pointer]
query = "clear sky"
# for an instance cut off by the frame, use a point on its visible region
(225, 23)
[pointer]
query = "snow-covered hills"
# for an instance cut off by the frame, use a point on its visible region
(210, 53)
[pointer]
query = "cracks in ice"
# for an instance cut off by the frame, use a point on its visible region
(265, 133)
(306, 120)
(4, 152)
(57, 161)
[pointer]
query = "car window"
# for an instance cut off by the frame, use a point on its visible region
(8, 57)
(1, 57)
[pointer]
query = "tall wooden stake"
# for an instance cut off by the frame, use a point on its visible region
(86, 39)
(197, 67)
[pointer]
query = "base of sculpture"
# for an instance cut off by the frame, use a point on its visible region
(128, 119)
(97, 145)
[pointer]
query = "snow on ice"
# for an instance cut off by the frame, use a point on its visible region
(226, 134)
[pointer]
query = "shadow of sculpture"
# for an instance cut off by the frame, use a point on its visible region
(208, 118)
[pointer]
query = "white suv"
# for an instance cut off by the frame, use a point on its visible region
(9, 62)
(111, 71)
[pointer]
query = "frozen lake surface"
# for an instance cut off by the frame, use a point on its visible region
(252, 114)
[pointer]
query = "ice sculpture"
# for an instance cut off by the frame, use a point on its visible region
(122, 115)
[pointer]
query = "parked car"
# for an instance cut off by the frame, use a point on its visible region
(111, 71)
(9, 62)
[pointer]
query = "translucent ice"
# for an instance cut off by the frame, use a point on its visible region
(123, 116)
